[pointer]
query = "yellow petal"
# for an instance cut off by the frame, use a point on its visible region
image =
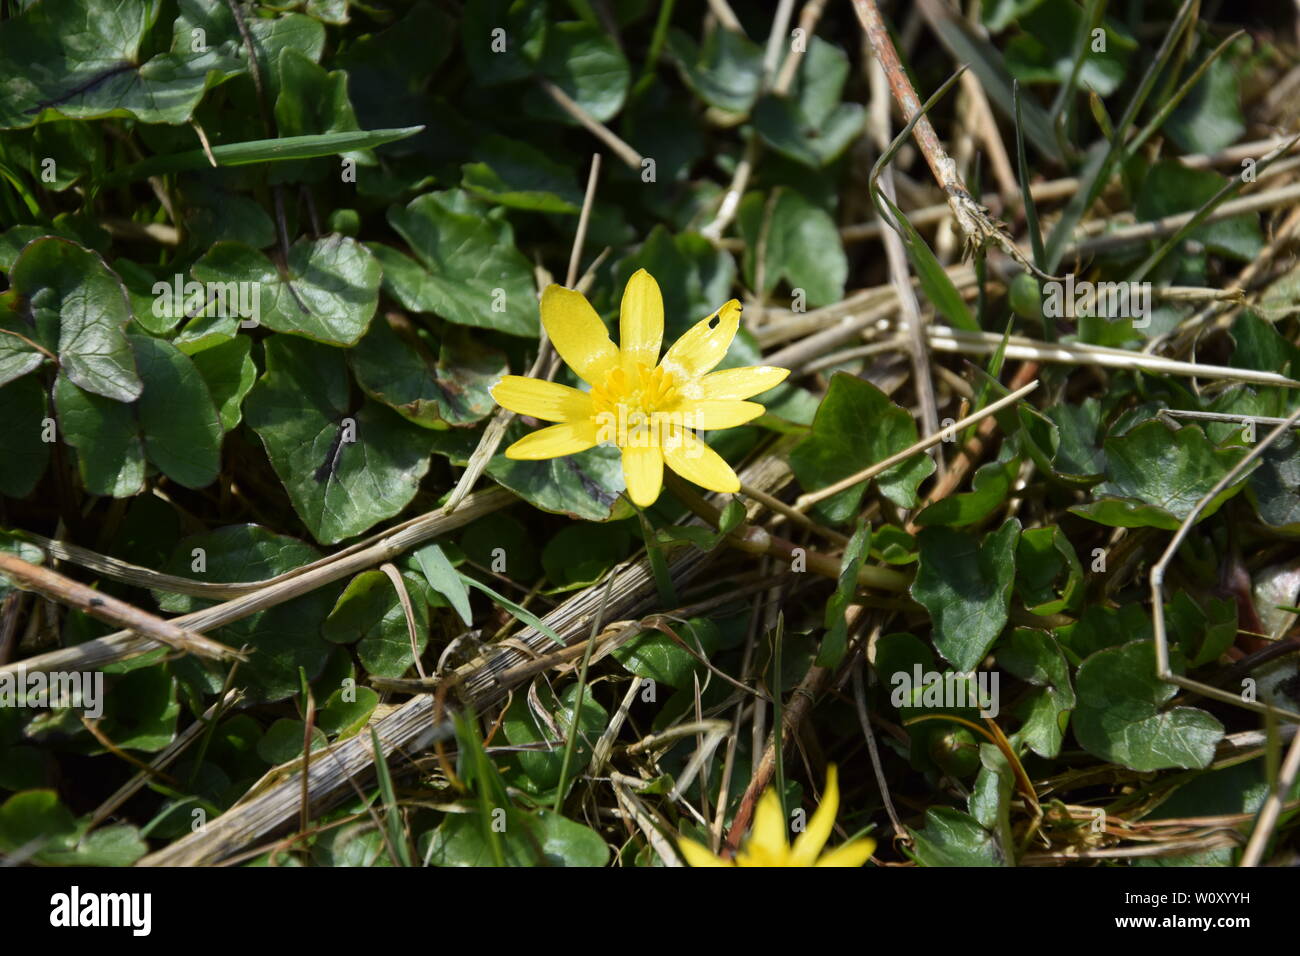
(808, 845)
(549, 401)
(567, 439)
(705, 415)
(578, 334)
(738, 383)
(643, 470)
(704, 344)
(854, 853)
(697, 855)
(697, 462)
(641, 322)
(767, 839)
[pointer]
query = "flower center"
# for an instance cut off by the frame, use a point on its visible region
(631, 409)
(637, 396)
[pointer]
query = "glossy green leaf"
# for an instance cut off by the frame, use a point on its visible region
(856, 426)
(283, 638)
(801, 245)
(345, 467)
(1120, 716)
(429, 382)
(329, 292)
(65, 298)
(1155, 475)
(473, 275)
(965, 584)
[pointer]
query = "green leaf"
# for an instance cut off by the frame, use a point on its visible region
(178, 422)
(284, 638)
(558, 841)
(426, 382)
(1036, 658)
(110, 455)
(579, 555)
(370, 612)
(1203, 634)
(474, 274)
(588, 486)
(965, 584)
(502, 39)
(1210, 117)
(64, 297)
(37, 816)
(512, 173)
(657, 657)
(328, 293)
(800, 242)
(1156, 475)
(953, 838)
(23, 410)
(585, 62)
(540, 766)
(1119, 716)
(229, 371)
(1044, 50)
(989, 489)
(345, 467)
(785, 128)
(444, 579)
(568, 843)
(1045, 557)
(1171, 188)
(283, 741)
(725, 72)
(1272, 486)
(834, 644)
(341, 718)
(856, 426)
(311, 101)
(97, 70)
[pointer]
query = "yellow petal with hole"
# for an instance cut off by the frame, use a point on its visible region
(767, 839)
(808, 845)
(704, 344)
(697, 462)
(697, 855)
(567, 439)
(641, 322)
(731, 384)
(705, 415)
(549, 401)
(578, 334)
(850, 854)
(643, 470)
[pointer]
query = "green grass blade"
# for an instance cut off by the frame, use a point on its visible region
(263, 151)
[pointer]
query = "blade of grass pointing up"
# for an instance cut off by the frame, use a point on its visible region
(1096, 172)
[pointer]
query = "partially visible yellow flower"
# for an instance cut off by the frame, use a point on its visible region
(649, 407)
(767, 844)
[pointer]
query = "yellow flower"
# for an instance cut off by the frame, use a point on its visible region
(649, 407)
(767, 845)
